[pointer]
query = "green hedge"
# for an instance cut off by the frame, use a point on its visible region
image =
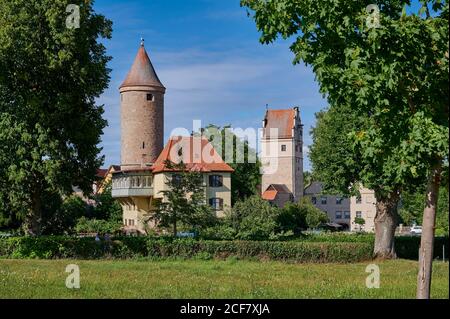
(130, 247)
(315, 248)
(407, 247)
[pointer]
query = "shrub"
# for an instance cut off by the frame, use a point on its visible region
(312, 248)
(85, 225)
(221, 231)
(254, 218)
(135, 247)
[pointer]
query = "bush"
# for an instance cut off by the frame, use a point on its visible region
(312, 248)
(254, 219)
(135, 247)
(85, 225)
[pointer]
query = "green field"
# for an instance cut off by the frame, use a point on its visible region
(212, 279)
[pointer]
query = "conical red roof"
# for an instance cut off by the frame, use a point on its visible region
(142, 72)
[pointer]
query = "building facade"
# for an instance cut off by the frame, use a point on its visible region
(337, 207)
(363, 207)
(282, 156)
(143, 173)
(343, 210)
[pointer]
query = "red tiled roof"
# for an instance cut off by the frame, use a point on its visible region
(101, 172)
(269, 195)
(197, 153)
(142, 72)
(283, 120)
(273, 190)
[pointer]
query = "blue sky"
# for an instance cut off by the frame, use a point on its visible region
(207, 54)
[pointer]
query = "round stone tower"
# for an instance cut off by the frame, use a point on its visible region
(142, 114)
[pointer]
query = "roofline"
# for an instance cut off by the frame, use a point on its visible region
(126, 88)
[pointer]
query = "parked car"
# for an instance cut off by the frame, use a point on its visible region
(416, 230)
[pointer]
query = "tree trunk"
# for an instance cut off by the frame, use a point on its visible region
(34, 217)
(428, 228)
(386, 221)
(175, 228)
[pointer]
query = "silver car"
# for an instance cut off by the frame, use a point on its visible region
(416, 230)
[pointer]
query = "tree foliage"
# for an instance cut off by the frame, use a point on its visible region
(395, 71)
(50, 124)
(254, 218)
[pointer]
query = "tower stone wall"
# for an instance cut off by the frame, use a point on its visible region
(142, 125)
(142, 114)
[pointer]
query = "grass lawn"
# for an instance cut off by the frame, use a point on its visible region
(212, 279)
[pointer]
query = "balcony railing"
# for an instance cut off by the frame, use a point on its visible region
(132, 185)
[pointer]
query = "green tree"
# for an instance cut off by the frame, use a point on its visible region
(335, 162)
(296, 217)
(240, 156)
(106, 207)
(314, 216)
(50, 124)
(360, 221)
(184, 201)
(254, 218)
(307, 179)
(60, 216)
(393, 65)
(293, 218)
(396, 71)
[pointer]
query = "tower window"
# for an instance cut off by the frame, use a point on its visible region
(150, 97)
(143, 145)
(283, 148)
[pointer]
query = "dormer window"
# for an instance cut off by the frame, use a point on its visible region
(150, 97)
